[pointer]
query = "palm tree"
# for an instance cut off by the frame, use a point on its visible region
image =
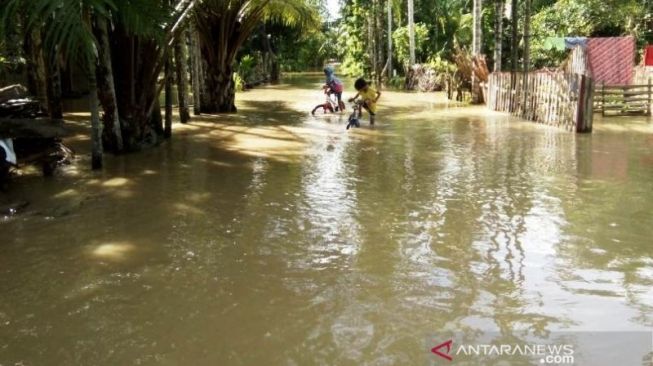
(78, 29)
(68, 26)
(107, 88)
(224, 25)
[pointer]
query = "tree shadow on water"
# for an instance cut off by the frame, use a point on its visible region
(272, 113)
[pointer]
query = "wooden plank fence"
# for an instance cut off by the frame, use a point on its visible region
(554, 98)
(623, 99)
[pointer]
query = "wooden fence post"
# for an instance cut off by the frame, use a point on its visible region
(603, 98)
(584, 112)
(649, 96)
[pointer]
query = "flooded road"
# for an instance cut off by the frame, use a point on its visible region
(272, 237)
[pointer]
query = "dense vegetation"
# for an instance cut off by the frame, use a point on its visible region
(131, 51)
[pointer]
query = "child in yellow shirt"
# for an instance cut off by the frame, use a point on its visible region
(368, 95)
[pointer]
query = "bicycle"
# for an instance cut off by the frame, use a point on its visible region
(354, 118)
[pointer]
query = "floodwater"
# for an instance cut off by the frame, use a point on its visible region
(272, 237)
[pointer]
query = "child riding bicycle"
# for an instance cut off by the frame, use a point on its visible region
(335, 86)
(368, 97)
(329, 104)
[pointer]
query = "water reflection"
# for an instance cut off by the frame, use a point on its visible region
(274, 237)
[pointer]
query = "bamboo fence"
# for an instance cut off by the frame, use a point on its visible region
(553, 98)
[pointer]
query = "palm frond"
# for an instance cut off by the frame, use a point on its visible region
(296, 13)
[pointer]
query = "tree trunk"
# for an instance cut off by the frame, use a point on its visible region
(136, 89)
(112, 136)
(411, 32)
(55, 104)
(379, 41)
(196, 64)
(514, 52)
(476, 49)
(498, 34)
(220, 89)
(527, 51)
(275, 73)
(167, 129)
(390, 39)
(36, 75)
(96, 127)
(371, 44)
(182, 80)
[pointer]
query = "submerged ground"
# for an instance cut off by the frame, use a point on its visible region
(272, 237)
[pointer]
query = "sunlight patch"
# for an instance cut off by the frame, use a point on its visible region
(67, 193)
(114, 251)
(116, 182)
(186, 208)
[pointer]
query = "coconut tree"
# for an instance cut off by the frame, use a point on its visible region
(224, 26)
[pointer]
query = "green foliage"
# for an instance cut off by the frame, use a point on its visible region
(68, 24)
(239, 83)
(587, 18)
(307, 50)
(397, 82)
(441, 66)
(245, 68)
(401, 43)
(353, 42)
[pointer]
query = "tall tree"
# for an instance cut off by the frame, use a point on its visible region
(527, 51)
(378, 15)
(107, 89)
(96, 128)
(196, 69)
(476, 47)
(55, 102)
(389, 65)
(168, 75)
(411, 31)
(36, 72)
(182, 79)
(498, 33)
(514, 50)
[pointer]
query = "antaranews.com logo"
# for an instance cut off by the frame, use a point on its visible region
(554, 349)
(559, 354)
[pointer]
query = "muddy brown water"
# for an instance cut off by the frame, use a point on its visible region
(272, 237)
